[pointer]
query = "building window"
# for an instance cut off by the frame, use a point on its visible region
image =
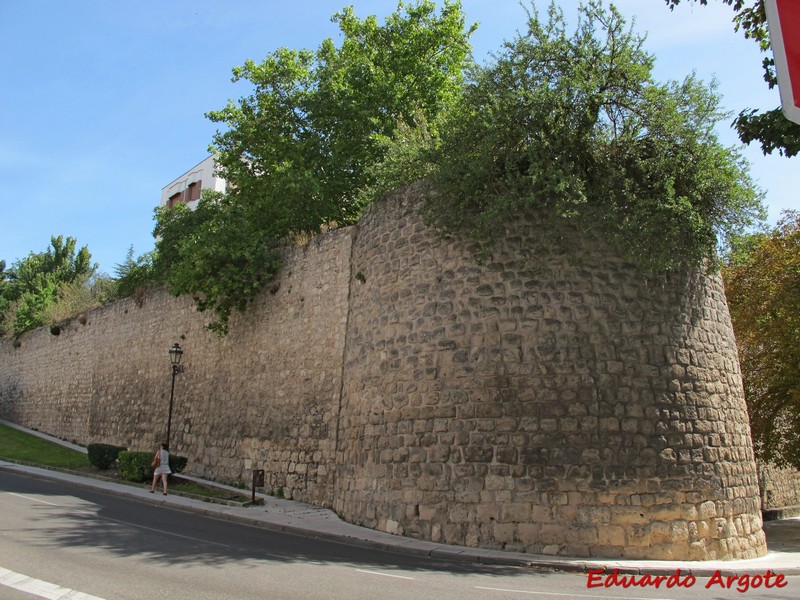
(175, 199)
(193, 191)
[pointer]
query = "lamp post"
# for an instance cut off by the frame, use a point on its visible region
(175, 354)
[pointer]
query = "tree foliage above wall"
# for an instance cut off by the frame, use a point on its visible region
(571, 124)
(134, 276)
(298, 150)
(45, 287)
(762, 284)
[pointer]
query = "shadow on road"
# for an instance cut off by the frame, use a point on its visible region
(127, 528)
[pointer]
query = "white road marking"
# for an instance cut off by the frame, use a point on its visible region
(32, 499)
(570, 595)
(384, 574)
(40, 588)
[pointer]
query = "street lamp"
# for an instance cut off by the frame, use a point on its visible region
(175, 354)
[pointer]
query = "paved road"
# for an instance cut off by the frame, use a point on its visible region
(783, 536)
(111, 548)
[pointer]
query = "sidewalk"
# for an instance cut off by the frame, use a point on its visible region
(783, 536)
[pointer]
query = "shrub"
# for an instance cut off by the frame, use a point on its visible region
(576, 127)
(135, 466)
(177, 463)
(103, 456)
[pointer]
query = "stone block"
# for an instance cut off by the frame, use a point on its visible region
(519, 512)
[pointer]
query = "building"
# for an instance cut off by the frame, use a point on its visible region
(187, 187)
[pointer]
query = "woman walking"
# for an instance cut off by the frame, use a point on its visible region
(161, 464)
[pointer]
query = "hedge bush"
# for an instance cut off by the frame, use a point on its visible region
(177, 463)
(135, 466)
(104, 456)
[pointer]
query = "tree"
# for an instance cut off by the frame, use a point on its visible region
(59, 262)
(78, 297)
(771, 128)
(573, 125)
(762, 284)
(135, 275)
(31, 286)
(302, 143)
(221, 253)
(299, 150)
(5, 296)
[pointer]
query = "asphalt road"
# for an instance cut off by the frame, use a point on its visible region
(114, 548)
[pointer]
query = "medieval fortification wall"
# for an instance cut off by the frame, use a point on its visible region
(552, 400)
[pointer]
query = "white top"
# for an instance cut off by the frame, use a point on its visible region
(163, 466)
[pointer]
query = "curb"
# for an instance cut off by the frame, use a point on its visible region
(410, 546)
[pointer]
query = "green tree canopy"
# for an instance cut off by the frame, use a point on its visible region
(300, 148)
(572, 125)
(31, 285)
(762, 284)
(135, 275)
(5, 297)
(770, 128)
(575, 125)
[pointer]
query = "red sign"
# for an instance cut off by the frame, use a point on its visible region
(783, 17)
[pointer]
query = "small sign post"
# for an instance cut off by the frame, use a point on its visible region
(783, 18)
(258, 481)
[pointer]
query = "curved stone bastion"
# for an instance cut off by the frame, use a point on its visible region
(553, 400)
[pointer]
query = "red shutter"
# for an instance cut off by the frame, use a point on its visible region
(783, 17)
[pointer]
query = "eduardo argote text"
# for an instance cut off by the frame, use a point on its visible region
(741, 583)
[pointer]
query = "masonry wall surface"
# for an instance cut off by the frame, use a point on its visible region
(780, 490)
(266, 396)
(552, 400)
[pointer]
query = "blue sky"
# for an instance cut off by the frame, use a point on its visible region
(102, 103)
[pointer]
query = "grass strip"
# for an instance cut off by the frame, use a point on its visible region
(16, 445)
(20, 446)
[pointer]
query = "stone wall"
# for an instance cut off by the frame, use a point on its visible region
(266, 396)
(552, 400)
(780, 491)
